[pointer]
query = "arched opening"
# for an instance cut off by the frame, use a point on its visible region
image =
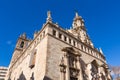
(22, 77)
(22, 44)
(94, 70)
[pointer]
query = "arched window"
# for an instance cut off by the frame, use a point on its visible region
(22, 77)
(22, 44)
(94, 70)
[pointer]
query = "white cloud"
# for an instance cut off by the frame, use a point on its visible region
(112, 73)
(10, 43)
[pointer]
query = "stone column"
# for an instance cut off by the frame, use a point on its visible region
(67, 67)
(99, 73)
(80, 75)
(89, 71)
(62, 69)
(57, 34)
(63, 72)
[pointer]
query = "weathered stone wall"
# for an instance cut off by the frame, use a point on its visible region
(49, 54)
(54, 55)
(22, 64)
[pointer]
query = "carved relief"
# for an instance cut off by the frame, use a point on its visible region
(94, 70)
(73, 66)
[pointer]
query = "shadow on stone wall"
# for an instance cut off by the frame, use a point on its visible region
(32, 77)
(9, 78)
(83, 66)
(47, 78)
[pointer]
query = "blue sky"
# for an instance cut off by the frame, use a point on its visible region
(102, 20)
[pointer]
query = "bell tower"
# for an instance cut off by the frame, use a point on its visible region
(21, 44)
(79, 30)
(78, 22)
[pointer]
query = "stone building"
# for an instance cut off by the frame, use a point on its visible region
(3, 72)
(58, 54)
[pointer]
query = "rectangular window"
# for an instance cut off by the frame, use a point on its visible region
(2, 76)
(73, 78)
(88, 50)
(91, 52)
(74, 43)
(54, 33)
(65, 38)
(43, 33)
(2, 72)
(40, 37)
(81, 47)
(70, 41)
(60, 35)
(84, 48)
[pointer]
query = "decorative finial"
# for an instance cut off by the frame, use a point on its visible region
(49, 14)
(101, 50)
(23, 35)
(49, 19)
(76, 14)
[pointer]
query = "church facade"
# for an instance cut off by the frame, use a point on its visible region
(58, 54)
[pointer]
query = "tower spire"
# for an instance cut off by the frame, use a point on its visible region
(76, 14)
(49, 19)
(79, 30)
(101, 50)
(78, 21)
(23, 35)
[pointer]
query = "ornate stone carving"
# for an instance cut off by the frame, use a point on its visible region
(49, 19)
(62, 66)
(73, 60)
